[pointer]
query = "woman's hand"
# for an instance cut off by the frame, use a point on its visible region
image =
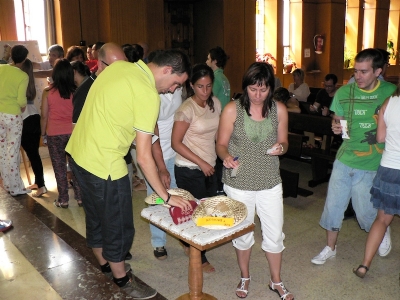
(230, 162)
(207, 169)
(276, 149)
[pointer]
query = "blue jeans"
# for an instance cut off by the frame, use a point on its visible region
(346, 183)
(158, 236)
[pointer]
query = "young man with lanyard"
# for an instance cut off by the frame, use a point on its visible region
(359, 155)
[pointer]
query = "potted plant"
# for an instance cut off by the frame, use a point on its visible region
(390, 48)
(348, 58)
(288, 65)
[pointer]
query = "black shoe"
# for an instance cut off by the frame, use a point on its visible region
(221, 193)
(138, 291)
(128, 256)
(110, 274)
(160, 253)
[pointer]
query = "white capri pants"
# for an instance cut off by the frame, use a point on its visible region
(269, 206)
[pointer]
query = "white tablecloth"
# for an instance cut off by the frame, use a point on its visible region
(159, 215)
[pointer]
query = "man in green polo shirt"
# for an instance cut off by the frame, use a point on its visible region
(122, 106)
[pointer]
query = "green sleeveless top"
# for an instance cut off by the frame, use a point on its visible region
(250, 141)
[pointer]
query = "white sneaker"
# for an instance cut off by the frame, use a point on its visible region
(386, 244)
(325, 254)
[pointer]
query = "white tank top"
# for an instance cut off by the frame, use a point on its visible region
(391, 154)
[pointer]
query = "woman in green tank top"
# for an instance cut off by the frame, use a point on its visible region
(252, 134)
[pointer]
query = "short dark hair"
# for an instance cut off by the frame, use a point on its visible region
(98, 45)
(19, 53)
(371, 54)
(139, 50)
(132, 52)
(81, 68)
(178, 60)
(258, 73)
(332, 77)
(281, 94)
(219, 55)
(385, 55)
(57, 48)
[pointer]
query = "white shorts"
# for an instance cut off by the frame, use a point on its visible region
(269, 206)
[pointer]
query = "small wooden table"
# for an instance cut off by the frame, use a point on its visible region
(199, 238)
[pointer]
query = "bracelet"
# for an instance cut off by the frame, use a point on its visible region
(169, 198)
(281, 147)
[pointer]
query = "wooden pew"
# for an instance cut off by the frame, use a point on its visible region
(290, 180)
(321, 159)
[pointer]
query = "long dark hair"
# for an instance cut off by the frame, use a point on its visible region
(258, 73)
(63, 78)
(200, 71)
(27, 67)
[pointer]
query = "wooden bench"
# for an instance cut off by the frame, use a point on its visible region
(290, 180)
(321, 159)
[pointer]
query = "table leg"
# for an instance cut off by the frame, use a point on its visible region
(195, 278)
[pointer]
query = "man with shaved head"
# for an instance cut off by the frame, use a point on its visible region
(108, 54)
(122, 106)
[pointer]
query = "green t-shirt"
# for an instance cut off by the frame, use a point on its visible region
(360, 108)
(123, 99)
(13, 85)
(221, 87)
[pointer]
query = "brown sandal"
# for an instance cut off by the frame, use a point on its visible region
(360, 274)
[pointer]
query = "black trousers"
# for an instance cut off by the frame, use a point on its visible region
(30, 142)
(199, 185)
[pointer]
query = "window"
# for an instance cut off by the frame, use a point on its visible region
(35, 22)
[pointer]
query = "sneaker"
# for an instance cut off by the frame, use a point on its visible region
(386, 244)
(110, 274)
(5, 224)
(138, 291)
(325, 254)
(160, 253)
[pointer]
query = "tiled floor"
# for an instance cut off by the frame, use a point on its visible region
(45, 257)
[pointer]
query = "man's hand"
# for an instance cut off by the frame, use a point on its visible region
(180, 202)
(165, 178)
(336, 127)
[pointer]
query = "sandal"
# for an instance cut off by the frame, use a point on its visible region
(208, 268)
(40, 192)
(242, 287)
(280, 284)
(60, 204)
(360, 274)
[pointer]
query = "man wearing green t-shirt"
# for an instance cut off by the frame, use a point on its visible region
(122, 105)
(359, 155)
(216, 60)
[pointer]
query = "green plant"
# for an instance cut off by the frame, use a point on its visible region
(390, 48)
(348, 57)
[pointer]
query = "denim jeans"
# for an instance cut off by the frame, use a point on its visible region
(346, 183)
(158, 236)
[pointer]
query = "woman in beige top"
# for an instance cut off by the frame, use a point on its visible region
(193, 138)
